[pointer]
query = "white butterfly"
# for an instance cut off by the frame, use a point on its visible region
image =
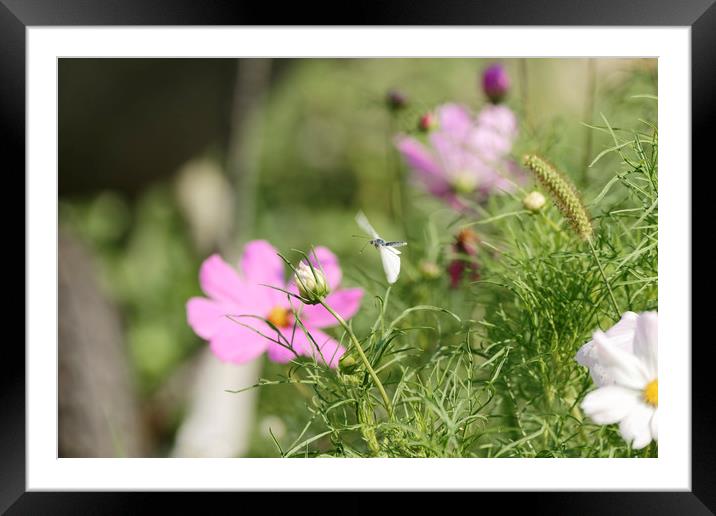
(389, 255)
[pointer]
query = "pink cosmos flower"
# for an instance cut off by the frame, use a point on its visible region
(466, 157)
(233, 315)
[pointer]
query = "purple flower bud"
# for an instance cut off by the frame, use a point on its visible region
(464, 264)
(495, 82)
(396, 100)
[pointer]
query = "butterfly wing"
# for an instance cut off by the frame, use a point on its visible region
(391, 263)
(362, 221)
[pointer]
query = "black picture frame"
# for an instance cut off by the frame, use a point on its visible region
(17, 15)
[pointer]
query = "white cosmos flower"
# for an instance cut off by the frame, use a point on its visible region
(624, 365)
(621, 335)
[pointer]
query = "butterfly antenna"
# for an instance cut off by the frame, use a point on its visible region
(363, 248)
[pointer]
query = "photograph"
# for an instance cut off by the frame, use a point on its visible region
(359, 257)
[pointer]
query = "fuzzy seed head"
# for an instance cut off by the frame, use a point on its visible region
(563, 193)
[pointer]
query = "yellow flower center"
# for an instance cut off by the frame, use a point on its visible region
(651, 393)
(279, 317)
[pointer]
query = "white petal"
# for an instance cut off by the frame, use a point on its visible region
(610, 404)
(636, 427)
(655, 426)
(646, 342)
(587, 356)
(626, 369)
(622, 333)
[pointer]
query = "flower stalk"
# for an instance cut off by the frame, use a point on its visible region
(364, 359)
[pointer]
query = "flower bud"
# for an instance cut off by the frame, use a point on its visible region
(311, 283)
(430, 270)
(533, 201)
(464, 183)
(464, 264)
(347, 363)
(427, 122)
(495, 82)
(396, 100)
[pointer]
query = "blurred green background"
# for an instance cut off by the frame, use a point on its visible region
(163, 162)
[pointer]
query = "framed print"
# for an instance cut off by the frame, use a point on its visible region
(375, 256)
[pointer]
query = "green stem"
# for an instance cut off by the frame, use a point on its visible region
(606, 281)
(366, 363)
(590, 100)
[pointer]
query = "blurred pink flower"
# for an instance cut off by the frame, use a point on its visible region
(232, 317)
(466, 157)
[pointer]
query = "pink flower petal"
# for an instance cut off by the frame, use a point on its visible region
(281, 354)
(345, 302)
(238, 344)
(261, 266)
(454, 118)
(219, 280)
(323, 348)
(424, 166)
(206, 316)
(500, 119)
(453, 155)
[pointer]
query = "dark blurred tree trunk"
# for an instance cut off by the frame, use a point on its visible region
(247, 122)
(98, 409)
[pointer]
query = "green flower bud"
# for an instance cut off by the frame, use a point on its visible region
(533, 201)
(464, 183)
(430, 270)
(311, 283)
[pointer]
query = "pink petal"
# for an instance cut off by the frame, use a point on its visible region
(206, 316)
(219, 280)
(452, 153)
(455, 119)
(281, 354)
(261, 266)
(238, 344)
(329, 351)
(500, 119)
(489, 145)
(345, 302)
(293, 338)
(423, 165)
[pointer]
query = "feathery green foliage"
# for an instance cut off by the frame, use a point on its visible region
(501, 379)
